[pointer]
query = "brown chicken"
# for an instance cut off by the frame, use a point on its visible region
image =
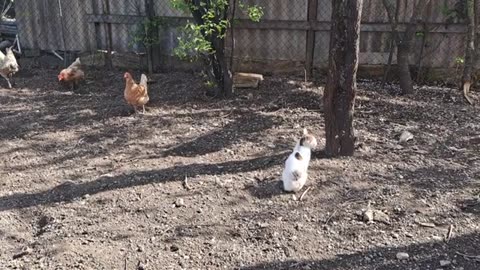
(136, 94)
(72, 75)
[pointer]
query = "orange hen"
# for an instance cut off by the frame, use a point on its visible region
(136, 94)
(72, 75)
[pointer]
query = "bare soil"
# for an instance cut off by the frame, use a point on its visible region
(85, 184)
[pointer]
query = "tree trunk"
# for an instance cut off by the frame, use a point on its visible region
(405, 43)
(224, 81)
(217, 66)
(403, 53)
(469, 51)
(339, 97)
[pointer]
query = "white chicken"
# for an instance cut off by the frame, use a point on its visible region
(8, 65)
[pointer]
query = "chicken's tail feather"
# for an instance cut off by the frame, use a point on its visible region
(76, 63)
(143, 80)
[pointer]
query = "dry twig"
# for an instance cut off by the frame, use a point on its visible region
(449, 233)
(185, 183)
(303, 194)
(475, 257)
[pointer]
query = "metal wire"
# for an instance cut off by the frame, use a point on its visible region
(279, 40)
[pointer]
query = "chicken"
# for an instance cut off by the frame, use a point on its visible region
(8, 65)
(136, 94)
(72, 75)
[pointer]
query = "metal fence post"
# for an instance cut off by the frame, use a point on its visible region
(108, 56)
(310, 42)
(150, 10)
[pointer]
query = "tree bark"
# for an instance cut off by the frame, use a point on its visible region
(339, 97)
(405, 43)
(469, 51)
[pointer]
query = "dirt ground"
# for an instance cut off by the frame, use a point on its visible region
(87, 185)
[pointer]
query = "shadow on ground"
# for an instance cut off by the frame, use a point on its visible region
(422, 256)
(70, 190)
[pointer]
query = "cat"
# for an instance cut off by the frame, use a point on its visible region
(295, 173)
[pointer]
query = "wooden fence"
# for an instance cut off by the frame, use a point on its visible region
(294, 33)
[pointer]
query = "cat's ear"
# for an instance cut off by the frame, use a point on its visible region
(305, 131)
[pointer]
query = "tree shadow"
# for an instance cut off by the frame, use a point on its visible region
(242, 127)
(267, 188)
(69, 191)
(422, 256)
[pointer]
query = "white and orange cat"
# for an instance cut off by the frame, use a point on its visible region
(295, 173)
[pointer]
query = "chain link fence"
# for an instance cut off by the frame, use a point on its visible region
(292, 35)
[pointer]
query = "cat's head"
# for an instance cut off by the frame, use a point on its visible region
(308, 140)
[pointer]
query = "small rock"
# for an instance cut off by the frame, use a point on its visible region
(381, 217)
(141, 266)
(262, 225)
(445, 263)
(174, 248)
(86, 196)
(140, 248)
(405, 137)
(409, 235)
(395, 235)
(402, 256)
(368, 216)
(179, 202)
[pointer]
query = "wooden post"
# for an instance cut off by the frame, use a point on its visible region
(310, 43)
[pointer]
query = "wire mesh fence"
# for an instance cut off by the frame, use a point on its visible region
(290, 35)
